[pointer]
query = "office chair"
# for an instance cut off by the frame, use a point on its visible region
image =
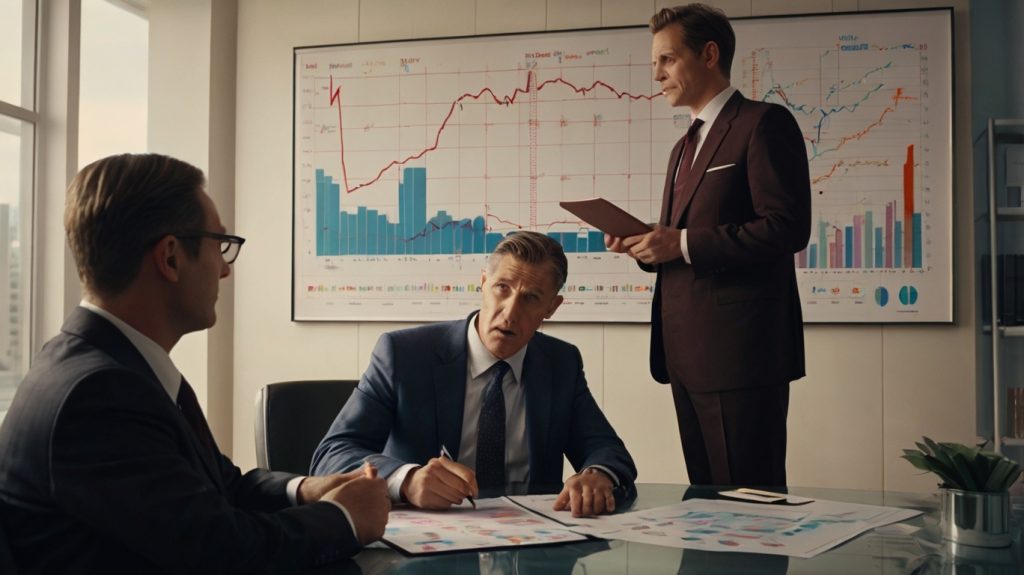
(291, 419)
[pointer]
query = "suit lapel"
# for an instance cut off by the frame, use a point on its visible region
(105, 336)
(537, 380)
(450, 386)
(714, 139)
(209, 455)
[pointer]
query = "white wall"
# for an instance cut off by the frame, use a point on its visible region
(871, 390)
(192, 117)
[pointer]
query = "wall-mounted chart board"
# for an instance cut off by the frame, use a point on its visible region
(412, 159)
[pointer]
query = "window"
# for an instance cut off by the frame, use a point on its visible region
(17, 160)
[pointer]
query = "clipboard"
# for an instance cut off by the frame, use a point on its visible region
(607, 217)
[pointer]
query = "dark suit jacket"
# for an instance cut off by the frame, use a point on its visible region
(731, 318)
(410, 401)
(99, 472)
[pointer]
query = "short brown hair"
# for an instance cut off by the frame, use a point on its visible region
(118, 207)
(700, 24)
(533, 248)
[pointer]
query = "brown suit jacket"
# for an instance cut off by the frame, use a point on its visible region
(731, 319)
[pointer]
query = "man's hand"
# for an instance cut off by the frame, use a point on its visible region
(314, 487)
(660, 245)
(587, 493)
(366, 499)
(615, 244)
(439, 484)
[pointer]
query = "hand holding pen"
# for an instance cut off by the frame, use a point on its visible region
(439, 484)
(448, 456)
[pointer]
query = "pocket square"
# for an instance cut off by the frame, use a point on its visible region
(716, 168)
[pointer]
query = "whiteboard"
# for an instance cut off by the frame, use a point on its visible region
(412, 159)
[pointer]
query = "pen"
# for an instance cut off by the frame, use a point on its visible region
(448, 456)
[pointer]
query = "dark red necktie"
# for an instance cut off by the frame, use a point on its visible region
(689, 151)
(189, 405)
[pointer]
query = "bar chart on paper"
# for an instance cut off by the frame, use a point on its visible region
(414, 159)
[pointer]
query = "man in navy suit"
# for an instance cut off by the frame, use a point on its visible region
(107, 464)
(434, 388)
(726, 325)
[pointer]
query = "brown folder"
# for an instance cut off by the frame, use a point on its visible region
(607, 217)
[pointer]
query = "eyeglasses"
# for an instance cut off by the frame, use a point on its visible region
(229, 245)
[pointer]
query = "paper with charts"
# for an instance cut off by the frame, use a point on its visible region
(717, 525)
(494, 523)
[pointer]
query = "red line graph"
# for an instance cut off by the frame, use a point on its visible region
(532, 86)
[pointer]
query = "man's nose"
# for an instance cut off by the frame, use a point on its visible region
(225, 270)
(511, 308)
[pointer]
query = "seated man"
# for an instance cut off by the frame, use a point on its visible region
(504, 401)
(107, 464)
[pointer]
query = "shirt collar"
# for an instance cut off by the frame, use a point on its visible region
(480, 359)
(158, 359)
(714, 107)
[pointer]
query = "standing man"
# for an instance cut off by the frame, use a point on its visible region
(502, 402)
(726, 326)
(106, 461)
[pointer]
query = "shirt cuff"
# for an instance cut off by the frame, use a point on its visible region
(607, 472)
(347, 516)
(396, 479)
(684, 246)
(292, 490)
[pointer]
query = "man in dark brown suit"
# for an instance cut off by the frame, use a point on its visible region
(726, 326)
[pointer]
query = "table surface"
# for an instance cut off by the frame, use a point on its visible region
(921, 552)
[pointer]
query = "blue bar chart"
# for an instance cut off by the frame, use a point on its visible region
(367, 232)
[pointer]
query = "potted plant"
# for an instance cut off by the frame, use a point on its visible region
(974, 490)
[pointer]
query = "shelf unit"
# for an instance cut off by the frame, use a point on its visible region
(997, 127)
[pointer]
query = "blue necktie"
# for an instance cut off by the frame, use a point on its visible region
(490, 439)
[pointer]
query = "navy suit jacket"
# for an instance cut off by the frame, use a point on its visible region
(410, 401)
(101, 473)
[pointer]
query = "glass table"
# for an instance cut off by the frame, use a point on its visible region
(888, 551)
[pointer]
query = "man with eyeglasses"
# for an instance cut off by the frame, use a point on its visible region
(106, 461)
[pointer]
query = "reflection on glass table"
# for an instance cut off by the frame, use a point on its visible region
(913, 546)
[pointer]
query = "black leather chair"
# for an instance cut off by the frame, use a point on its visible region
(291, 419)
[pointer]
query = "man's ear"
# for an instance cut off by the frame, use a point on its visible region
(554, 306)
(165, 257)
(710, 54)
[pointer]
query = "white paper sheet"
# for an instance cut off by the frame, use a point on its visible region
(495, 523)
(718, 525)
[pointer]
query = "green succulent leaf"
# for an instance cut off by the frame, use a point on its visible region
(963, 467)
(963, 470)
